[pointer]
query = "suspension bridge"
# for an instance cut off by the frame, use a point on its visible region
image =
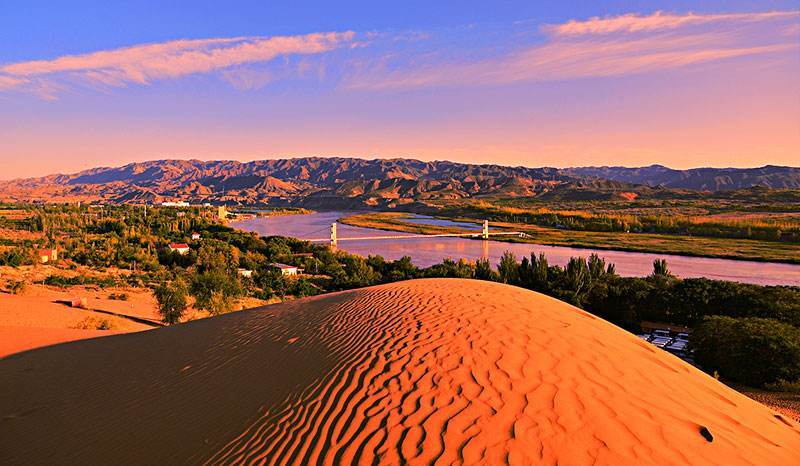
(483, 234)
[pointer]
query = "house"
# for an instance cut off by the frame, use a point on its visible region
(195, 236)
(175, 204)
(47, 255)
(245, 273)
(180, 248)
(285, 269)
(303, 254)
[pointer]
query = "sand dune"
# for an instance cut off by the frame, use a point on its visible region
(428, 372)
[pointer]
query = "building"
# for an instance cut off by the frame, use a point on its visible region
(222, 212)
(195, 236)
(285, 269)
(175, 204)
(245, 273)
(47, 255)
(180, 248)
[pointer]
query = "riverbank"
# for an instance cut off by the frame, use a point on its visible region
(720, 248)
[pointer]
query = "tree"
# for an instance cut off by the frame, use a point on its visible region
(540, 271)
(483, 270)
(508, 268)
(576, 277)
(204, 285)
(171, 299)
(660, 268)
(219, 303)
(750, 350)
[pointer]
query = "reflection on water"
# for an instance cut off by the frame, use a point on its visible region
(426, 252)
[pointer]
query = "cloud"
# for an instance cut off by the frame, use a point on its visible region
(8, 82)
(599, 47)
(143, 64)
(658, 21)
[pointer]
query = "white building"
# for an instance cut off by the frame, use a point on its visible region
(285, 269)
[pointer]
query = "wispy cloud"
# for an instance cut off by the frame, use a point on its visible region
(658, 21)
(143, 64)
(600, 47)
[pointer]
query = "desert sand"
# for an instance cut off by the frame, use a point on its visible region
(42, 316)
(432, 371)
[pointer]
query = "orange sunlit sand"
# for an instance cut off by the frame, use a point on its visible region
(434, 370)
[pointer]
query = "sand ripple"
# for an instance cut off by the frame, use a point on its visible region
(425, 372)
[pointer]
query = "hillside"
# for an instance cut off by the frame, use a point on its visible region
(312, 180)
(436, 370)
(700, 179)
(336, 182)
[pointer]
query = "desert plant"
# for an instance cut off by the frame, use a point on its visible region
(93, 323)
(16, 286)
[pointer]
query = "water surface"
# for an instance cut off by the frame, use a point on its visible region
(426, 252)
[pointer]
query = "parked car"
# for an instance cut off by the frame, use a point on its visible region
(661, 341)
(677, 345)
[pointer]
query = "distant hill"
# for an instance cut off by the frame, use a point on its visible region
(312, 180)
(700, 179)
(337, 182)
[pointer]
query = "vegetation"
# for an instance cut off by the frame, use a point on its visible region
(16, 286)
(763, 228)
(561, 235)
(132, 243)
(92, 323)
(171, 299)
(750, 350)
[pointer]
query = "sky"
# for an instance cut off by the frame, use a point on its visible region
(549, 83)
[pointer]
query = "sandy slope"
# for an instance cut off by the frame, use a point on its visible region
(425, 371)
(41, 316)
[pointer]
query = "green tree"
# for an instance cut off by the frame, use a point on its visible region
(219, 303)
(660, 268)
(171, 299)
(205, 284)
(484, 271)
(749, 350)
(508, 268)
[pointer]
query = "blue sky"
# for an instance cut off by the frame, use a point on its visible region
(515, 82)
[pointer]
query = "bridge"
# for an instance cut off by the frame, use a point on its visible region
(483, 234)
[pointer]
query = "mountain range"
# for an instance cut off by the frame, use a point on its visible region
(699, 179)
(342, 182)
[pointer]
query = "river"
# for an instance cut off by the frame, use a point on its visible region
(426, 252)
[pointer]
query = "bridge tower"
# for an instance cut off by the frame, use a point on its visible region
(485, 233)
(333, 234)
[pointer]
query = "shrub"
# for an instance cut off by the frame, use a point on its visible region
(750, 350)
(219, 304)
(16, 286)
(93, 323)
(784, 386)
